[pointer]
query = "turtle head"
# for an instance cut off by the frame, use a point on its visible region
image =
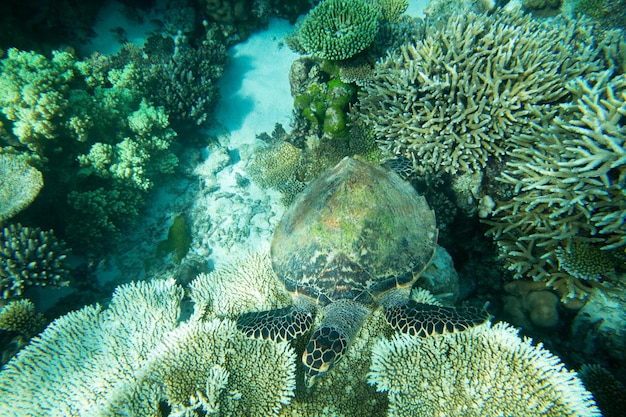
(325, 348)
(342, 320)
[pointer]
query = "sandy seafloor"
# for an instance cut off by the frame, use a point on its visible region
(228, 215)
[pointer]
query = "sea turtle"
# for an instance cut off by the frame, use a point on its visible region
(355, 238)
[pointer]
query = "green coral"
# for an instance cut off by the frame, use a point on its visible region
(391, 9)
(338, 29)
(63, 110)
(325, 106)
(34, 94)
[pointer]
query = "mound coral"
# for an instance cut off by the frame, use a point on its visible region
(20, 183)
(453, 100)
(486, 371)
(564, 223)
(30, 257)
(338, 29)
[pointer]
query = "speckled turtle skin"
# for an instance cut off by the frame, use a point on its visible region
(357, 232)
(356, 238)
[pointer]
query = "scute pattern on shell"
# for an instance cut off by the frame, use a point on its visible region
(354, 233)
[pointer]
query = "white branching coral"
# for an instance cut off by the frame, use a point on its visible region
(247, 284)
(453, 100)
(564, 223)
(129, 357)
(485, 371)
(85, 362)
(213, 367)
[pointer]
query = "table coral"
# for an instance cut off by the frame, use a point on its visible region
(453, 100)
(127, 358)
(23, 187)
(486, 371)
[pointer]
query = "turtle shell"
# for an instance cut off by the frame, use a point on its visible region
(355, 233)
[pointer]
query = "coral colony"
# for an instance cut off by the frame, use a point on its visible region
(435, 228)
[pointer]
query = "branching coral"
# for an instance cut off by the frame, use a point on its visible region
(125, 359)
(453, 100)
(34, 94)
(30, 257)
(20, 183)
(213, 367)
(565, 221)
(486, 371)
(338, 29)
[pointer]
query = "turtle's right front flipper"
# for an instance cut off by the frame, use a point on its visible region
(279, 325)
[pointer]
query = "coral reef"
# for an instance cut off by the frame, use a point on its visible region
(338, 29)
(147, 350)
(184, 78)
(486, 371)
(564, 222)
(20, 184)
(30, 257)
(127, 358)
(452, 101)
(609, 13)
(279, 166)
(20, 316)
(246, 284)
(100, 112)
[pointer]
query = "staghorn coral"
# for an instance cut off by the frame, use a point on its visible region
(30, 257)
(338, 29)
(453, 100)
(20, 184)
(486, 371)
(564, 223)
